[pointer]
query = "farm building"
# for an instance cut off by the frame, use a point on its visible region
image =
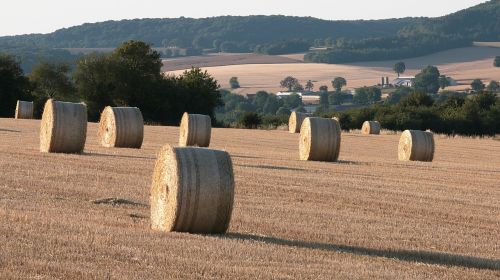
(403, 82)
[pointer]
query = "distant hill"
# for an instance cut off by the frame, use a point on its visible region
(341, 41)
(245, 31)
(460, 29)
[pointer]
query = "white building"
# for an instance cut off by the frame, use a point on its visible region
(403, 81)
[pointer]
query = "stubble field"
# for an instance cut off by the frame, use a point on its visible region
(462, 64)
(367, 216)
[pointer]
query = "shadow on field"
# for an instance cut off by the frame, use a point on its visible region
(242, 156)
(348, 162)
(270, 167)
(120, 156)
(9, 130)
(118, 202)
(427, 257)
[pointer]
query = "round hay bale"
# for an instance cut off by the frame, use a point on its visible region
(195, 130)
(63, 128)
(24, 110)
(320, 139)
(416, 145)
(295, 121)
(192, 190)
(370, 127)
(121, 127)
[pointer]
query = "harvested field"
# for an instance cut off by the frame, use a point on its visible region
(461, 64)
(224, 59)
(366, 216)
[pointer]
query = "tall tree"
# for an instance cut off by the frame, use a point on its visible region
(13, 85)
(289, 83)
(477, 85)
(234, 83)
(51, 80)
(309, 85)
(338, 83)
(493, 86)
(427, 80)
(399, 68)
(323, 88)
(496, 62)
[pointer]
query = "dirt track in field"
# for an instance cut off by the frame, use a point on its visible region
(367, 216)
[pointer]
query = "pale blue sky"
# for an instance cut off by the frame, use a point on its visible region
(44, 16)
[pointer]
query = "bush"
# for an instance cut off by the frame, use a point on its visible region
(249, 120)
(233, 82)
(270, 121)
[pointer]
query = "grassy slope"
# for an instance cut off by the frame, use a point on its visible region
(366, 216)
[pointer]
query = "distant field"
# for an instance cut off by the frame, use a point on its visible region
(367, 216)
(461, 64)
(487, 44)
(222, 60)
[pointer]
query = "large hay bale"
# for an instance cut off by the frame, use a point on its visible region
(295, 121)
(63, 128)
(121, 127)
(195, 130)
(416, 145)
(24, 110)
(192, 190)
(320, 139)
(370, 127)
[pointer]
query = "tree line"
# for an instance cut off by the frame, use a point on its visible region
(129, 76)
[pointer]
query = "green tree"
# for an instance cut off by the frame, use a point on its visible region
(272, 105)
(323, 99)
(399, 68)
(200, 93)
(338, 83)
(416, 99)
(427, 80)
(282, 111)
(298, 88)
(259, 100)
(367, 95)
(309, 85)
(233, 82)
(477, 85)
(496, 62)
(249, 120)
(443, 82)
(13, 85)
(289, 83)
(323, 88)
(493, 86)
(292, 101)
(51, 80)
(96, 82)
(335, 98)
(396, 96)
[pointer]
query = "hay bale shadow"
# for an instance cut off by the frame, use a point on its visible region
(118, 202)
(427, 257)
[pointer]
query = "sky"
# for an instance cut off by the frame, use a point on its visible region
(45, 16)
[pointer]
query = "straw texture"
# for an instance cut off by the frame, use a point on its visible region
(371, 127)
(63, 127)
(121, 127)
(192, 190)
(195, 130)
(295, 121)
(416, 145)
(24, 110)
(319, 139)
